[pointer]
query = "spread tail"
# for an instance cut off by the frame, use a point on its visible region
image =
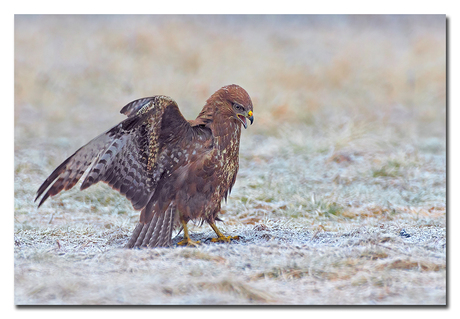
(156, 233)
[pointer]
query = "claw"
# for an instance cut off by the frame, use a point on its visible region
(188, 242)
(220, 237)
(223, 239)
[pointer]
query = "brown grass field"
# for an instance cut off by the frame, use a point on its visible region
(345, 160)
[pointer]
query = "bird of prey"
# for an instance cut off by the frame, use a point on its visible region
(171, 169)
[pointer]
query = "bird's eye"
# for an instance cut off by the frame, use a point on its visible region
(237, 107)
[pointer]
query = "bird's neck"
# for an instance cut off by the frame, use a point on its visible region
(224, 127)
(226, 133)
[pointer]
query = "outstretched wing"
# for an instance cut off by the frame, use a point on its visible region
(125, 157)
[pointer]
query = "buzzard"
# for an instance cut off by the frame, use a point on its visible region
(171, 169)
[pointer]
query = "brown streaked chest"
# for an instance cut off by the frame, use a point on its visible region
(227, 145)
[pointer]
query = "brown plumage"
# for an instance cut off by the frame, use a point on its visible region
(171, 169)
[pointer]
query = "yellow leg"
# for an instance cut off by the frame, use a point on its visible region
(186, 241)
(220, 236)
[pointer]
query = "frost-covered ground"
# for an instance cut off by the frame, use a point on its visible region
(341, 194)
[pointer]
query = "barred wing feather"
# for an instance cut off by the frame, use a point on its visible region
(124, 157)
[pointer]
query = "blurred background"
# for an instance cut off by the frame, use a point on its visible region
(298, 69)
(352, 108)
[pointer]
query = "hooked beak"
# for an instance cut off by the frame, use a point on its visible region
(242, 118)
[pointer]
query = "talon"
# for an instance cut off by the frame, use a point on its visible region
(188, 242)
(224, 239)
(220, 237)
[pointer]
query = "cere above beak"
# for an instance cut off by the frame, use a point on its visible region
(242, 118)
(250, 117)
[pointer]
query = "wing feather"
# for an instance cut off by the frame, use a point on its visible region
(125, 156)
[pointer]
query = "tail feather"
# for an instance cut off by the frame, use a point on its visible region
(162, 234)
(156, 233)
(154, 224)
(135, 235)
(141, 237)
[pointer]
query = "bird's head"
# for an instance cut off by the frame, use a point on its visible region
(236, 103)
